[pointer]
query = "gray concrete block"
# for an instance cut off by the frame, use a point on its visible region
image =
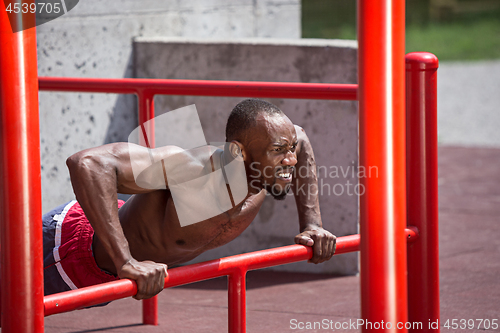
(331, 125)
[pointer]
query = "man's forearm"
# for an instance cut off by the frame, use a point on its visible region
(305, 188)
(305, 184)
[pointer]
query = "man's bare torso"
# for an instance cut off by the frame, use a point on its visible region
(149, 231)
(153, 230)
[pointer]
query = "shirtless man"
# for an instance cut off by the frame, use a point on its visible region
(139, 239)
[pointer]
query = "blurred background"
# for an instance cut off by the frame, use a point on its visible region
(463, 34)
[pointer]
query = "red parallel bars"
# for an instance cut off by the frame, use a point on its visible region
(381, 38)
(75, 299)
(234, 266)
(21, 209)
(145, 89)
(150, 87)
(422, 191)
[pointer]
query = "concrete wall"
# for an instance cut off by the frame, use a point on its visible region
(95, 40)
(331, 125)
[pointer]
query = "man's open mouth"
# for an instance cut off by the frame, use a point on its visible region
(285, 175)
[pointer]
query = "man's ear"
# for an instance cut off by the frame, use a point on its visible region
(236, 149)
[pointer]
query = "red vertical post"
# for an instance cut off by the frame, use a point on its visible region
(146, 117)
(150, 311)
(382, 139)
(21, 208)
(146, 120)
(422, 191)
(237, 306)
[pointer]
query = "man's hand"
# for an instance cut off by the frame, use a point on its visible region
(150, 276)
(322, 241)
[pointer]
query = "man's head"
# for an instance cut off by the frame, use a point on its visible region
(267, 141)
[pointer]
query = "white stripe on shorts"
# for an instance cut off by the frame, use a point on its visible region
(60, 218)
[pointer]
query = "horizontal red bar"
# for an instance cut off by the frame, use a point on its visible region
(107, 292)
(202, 88)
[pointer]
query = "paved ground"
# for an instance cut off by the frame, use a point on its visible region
(469, 183)
(468, 101)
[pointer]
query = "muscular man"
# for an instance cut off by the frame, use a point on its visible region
(94, 239)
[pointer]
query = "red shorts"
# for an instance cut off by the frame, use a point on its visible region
(68, 250)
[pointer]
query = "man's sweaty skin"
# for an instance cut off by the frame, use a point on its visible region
(144, 236)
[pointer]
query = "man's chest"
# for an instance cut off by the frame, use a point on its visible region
(215, 231)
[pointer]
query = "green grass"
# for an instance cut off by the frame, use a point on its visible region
(329, 19)
(470, 37)
(457, 41)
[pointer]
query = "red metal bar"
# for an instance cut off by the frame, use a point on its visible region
(422, 190)
(381, 39)
(75, 299)
(202, 88)
(146, 120)
(21, 209)
(150, 311)
(80, 298)
(146, 89)
(237, 307)
(146, 117)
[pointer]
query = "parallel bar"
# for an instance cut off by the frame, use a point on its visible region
(381, 40)
(422, 191)
(75, 299)
(202, 88)
(80, 298)
(236, 301)
(146, 121)
(150, 311)
(146, 117)
(20, 204)
(107, 292)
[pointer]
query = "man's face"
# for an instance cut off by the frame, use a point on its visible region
(270, 147)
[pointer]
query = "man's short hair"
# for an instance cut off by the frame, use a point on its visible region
(244, 116)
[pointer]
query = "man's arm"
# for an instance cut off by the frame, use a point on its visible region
(97, 175)
(305, 188)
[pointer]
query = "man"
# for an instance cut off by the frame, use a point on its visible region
(139, 238)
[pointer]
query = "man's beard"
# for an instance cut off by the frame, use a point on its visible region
(277, 191)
